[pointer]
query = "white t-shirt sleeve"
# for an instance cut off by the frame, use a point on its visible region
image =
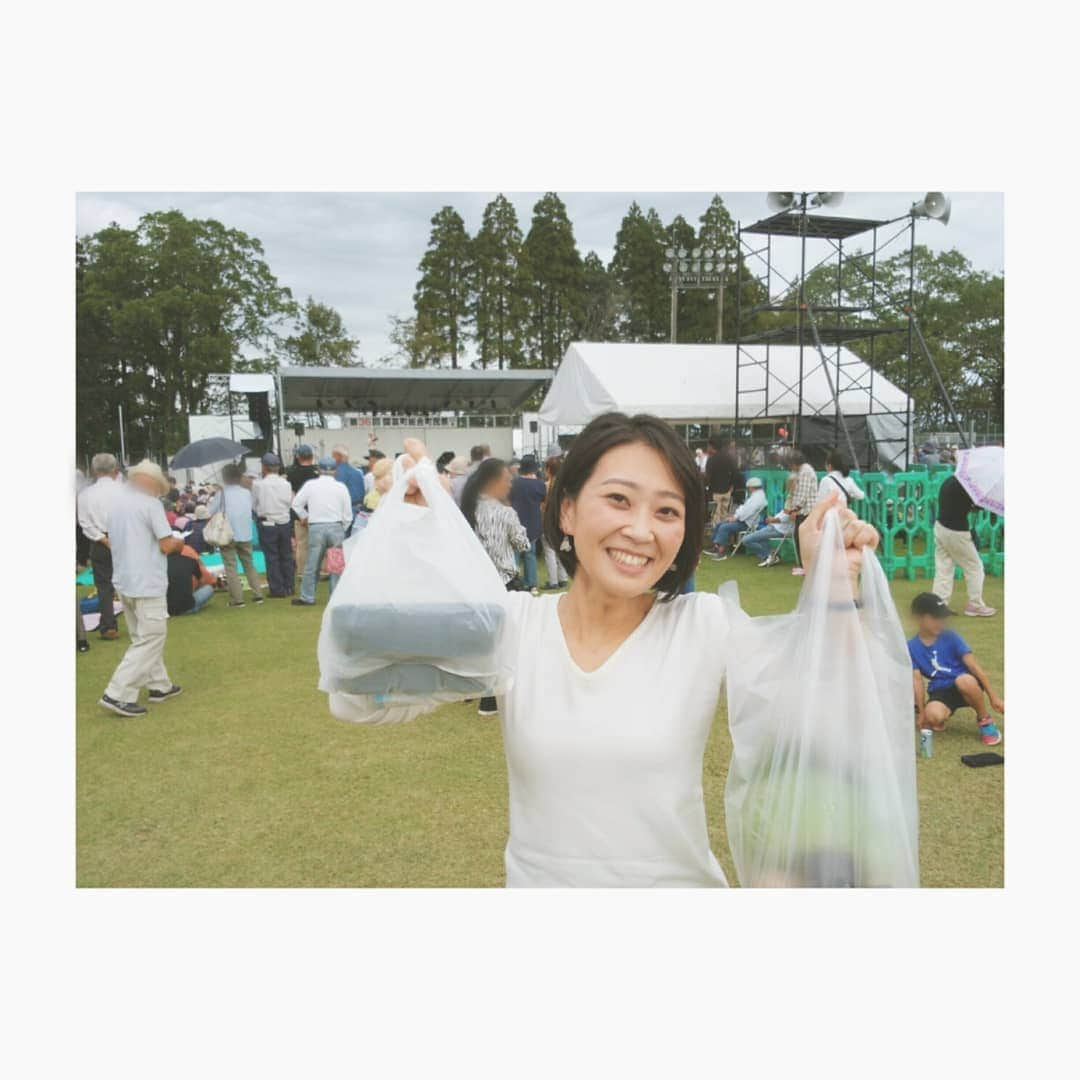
(158, 522)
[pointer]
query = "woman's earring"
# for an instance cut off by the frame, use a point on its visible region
(566, 545)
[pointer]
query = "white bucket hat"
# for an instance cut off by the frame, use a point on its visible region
(146, 467)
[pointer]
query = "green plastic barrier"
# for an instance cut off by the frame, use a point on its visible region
(903, 508)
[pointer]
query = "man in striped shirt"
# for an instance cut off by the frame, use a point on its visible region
(801, 499)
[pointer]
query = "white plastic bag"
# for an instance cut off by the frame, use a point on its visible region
(821, 787)
(416, 617)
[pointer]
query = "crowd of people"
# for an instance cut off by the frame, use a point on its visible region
(145, 542)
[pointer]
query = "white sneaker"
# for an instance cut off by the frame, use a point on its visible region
(767, 561)
(798, 571)
(979, 610)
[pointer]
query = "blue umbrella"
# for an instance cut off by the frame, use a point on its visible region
(207, 452)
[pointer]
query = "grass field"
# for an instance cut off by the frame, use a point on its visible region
(246, 780)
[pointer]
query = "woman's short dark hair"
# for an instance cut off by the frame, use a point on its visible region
(837, 461)
(479, 479)
(796, 459)
(605, 433)
(232, 474)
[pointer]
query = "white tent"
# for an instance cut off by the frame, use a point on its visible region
(692, 383)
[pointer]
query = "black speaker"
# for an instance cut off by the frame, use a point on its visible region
(259, 412)
(298, 430)
(534, 427)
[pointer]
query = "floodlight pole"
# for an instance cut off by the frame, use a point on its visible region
(674, 307)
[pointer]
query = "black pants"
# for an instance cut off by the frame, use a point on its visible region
(101, 564)
(799, 519)
(276, 542)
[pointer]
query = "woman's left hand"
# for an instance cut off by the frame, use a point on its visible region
(858, 535)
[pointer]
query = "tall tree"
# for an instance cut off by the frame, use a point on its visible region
(637, 268)
(598, 301)
(552, 283)
(159, 308)
(498, 306)
(411, 347)
(321, 339)
(442, 296)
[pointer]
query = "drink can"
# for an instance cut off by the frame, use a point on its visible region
(926, 742)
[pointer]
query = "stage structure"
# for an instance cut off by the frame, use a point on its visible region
(447, 408)
(821, 333)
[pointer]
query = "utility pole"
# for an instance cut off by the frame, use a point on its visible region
(123, 452)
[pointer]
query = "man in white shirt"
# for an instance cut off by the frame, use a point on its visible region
(92, 507)
(323, 504)
(745, 519)
(272, 497)
(141, 539)
(757, 542)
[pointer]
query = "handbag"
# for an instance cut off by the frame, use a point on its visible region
(217, 530)
(335, 560)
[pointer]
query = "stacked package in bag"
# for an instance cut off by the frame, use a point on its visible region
(416, 619)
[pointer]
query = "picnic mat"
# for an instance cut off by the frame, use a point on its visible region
(212, 562)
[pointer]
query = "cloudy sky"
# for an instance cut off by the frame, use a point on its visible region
(359, 252)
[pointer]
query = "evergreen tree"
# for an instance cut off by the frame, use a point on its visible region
(321, 339)
(637, 268)
(499, 309)
(598, 308)
(442, 296)
(552, 283)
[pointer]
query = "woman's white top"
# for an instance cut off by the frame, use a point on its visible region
(842, 485)
(605, 766)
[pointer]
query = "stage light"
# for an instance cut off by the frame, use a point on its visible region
(936, 205)
(669, 252)
(684, 266)
(697, 253)
(683, 253)
(667, 268)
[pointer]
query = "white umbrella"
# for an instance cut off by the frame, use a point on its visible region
(981, 473)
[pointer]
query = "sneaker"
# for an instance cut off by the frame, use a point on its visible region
(798, 571)
(236, 603)
(550, 587)
(110, 635)
(83, 646)
(767, 561)
(488, 707)
(257, 599)
(719, 556)
(297, 602)
(155, 696)
(979, 610)
(122, 708)
(988, 732)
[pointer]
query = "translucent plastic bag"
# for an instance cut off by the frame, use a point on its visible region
(821, 788)
(416, 617)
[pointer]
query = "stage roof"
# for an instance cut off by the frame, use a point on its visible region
(409, 390)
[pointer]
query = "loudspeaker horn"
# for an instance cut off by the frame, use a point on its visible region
(827, 198)
(936, 205)
(780, 200)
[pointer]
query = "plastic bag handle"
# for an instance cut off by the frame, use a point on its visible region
(427, 480)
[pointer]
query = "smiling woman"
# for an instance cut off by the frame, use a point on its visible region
(613, 685)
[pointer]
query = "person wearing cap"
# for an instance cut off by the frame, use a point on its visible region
(298, 474)
(141, 541)
(349, 475)
(955, 679)
(235, 500)
(198, 524)
(326, 510)
(372, 459)
(458, 471)
(271, 499)
(745, 519)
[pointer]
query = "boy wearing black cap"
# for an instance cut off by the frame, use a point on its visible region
(955, 678)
